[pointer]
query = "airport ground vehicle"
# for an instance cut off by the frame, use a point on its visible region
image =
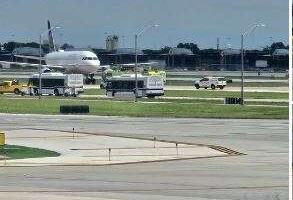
(158, 73)
(56, 84)
(211, 82)
(124, 86)
(11, 87)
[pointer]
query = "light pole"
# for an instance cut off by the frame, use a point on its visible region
(40, 58)
(146, 28)
(244, 34)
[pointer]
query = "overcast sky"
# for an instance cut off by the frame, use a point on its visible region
(85, 22)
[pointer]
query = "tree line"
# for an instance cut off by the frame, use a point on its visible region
(10, 46)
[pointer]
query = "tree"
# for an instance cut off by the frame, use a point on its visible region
(67, 46)
(277, 45)
(32, 45)
(10, 46)
(165, 49)
(191, 46)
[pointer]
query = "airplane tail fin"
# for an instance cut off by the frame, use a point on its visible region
(50, 38)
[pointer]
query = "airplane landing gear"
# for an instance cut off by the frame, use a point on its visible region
(90, 79)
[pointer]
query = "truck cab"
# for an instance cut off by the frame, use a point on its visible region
(10, 87)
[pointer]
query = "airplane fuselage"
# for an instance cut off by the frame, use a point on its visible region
(83, 62)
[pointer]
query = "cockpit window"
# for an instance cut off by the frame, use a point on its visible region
(89, 58)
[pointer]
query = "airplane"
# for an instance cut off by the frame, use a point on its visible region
(71, 61)
(78, 62)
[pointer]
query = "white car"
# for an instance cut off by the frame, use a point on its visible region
(211, 82)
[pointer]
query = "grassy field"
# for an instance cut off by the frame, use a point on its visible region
(212, 101)
(143, 109)
(20, 152)
(208, 94)
(189, 101)
(94, 92)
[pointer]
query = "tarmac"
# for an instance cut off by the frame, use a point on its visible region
(262, 173)
(79, 149)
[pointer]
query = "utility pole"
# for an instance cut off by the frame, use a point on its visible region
(135, 68)
(245, 33)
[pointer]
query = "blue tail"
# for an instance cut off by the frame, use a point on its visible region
(50, 38)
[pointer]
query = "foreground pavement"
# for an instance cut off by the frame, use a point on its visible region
(79, 149)
(261, 174)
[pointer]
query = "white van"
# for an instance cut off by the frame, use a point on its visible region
(211, 82)
(124, 86)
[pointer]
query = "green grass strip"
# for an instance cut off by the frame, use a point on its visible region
(208, 94)
(20, 152)
(144, 109)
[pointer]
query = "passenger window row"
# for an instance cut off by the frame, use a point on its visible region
(89, 58)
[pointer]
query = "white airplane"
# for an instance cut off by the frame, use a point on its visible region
(80, 62)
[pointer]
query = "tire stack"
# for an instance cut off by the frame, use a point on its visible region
(233, 100)
(74, 109)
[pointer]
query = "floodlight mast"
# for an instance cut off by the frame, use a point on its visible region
(244, 34)
(146, 28)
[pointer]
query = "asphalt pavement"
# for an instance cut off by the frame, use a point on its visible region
(260, 174)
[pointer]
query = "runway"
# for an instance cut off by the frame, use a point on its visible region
(261, 174)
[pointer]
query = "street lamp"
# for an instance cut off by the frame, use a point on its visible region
(244, 34)
(40, 58)
(146, 28)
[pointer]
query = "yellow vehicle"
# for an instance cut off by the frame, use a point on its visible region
(160, 73)
(11, 87)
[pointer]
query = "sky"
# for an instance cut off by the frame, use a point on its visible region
(87, 22)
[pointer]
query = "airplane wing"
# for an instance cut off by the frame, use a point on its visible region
(54, 67)
(29, 57)
(6, 64)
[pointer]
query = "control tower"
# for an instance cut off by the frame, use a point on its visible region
(112, 42)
